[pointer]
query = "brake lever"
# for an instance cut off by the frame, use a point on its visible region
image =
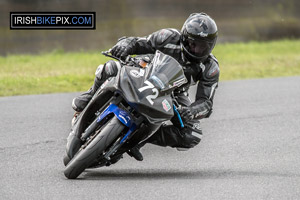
(108, 54)
(176, 107)
(178, 115)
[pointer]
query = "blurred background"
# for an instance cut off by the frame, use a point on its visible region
(238, 20)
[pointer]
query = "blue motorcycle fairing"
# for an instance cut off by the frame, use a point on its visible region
(123, 116)
(131, 129)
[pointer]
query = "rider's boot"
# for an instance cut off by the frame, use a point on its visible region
(80, 102)
(135, 152)
(103, 72)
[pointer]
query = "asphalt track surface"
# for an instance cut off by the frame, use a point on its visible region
(250, 150)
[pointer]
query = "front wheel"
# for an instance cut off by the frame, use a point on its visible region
(94, 148)
(66, 159)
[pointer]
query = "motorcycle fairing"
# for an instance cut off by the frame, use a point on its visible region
(148, 90)
(122, 115)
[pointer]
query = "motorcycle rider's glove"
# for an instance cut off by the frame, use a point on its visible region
(196, 111)
(186, 114)
(123, 48)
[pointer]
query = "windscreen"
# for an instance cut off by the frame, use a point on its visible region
(166, 72)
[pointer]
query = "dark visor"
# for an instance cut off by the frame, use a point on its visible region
(197, 48)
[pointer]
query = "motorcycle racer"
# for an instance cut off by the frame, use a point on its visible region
(191, 47)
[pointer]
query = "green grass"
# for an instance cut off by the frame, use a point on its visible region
(48, 73)
(59, 71)
(259, 59)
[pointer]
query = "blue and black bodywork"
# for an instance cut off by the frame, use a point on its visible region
(123, 116)
(140, 98)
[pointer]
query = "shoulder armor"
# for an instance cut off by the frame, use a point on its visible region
(165, 36)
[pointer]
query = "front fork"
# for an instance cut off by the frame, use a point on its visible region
(124, 116)
(133, 128)
(120, 141)
(95, 124)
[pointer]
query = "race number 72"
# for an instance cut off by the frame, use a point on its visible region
(149, 85)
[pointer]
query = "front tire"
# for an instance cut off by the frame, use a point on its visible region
(66, 159)
(94, 149)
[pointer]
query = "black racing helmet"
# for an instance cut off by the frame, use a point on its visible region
(198, 37)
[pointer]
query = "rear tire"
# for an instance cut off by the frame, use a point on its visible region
(94, 149)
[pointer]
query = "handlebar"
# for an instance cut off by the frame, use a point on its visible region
(108, 54)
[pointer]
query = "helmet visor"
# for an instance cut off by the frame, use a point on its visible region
(197, 48)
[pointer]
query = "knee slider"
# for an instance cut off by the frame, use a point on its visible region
(110, 69)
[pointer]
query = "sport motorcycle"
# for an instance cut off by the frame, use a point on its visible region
(125, 111)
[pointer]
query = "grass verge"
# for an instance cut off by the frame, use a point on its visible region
(59, 71)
